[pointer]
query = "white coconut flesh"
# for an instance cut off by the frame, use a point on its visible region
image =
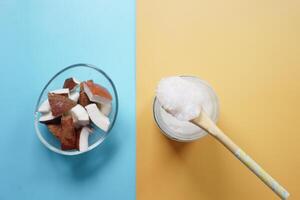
(74, 96)
(97, 117)
(84, 139)
(79, 115)
(61, 91)
(45, 117)
(105, 108)
(44, 107)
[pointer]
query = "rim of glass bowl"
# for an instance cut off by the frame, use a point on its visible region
(184, 139)
(100, 141)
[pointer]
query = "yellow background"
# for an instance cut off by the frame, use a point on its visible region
(249, 51)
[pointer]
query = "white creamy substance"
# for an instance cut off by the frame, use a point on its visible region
(179, 97)
(183, 99)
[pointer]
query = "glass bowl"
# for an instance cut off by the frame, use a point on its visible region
(81, 72)
(165, 120)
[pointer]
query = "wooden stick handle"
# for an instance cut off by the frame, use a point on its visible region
(206, 123)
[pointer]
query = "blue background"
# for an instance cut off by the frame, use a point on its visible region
(37, 39)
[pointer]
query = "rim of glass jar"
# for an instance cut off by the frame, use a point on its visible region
(183, 139)
(100, 141)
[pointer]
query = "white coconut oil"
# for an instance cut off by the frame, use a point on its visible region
(179, 127)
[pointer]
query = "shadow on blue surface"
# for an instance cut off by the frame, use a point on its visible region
(87, 165)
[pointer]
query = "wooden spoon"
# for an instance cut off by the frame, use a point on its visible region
(204, 122)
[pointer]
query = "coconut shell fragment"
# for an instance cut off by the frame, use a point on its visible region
(60, 104)
(77, 137)
(45, 106)
(68, 136)
(83, 99)
(71, 84)
(97, 93)
(55, 129)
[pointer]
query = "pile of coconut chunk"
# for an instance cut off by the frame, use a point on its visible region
(69, 112)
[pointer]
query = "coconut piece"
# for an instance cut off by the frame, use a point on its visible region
(71, 84)
(97, 93)
(83, 99)
(45, 106)
(77, 131)
(80, 116)
(48, 118)
(105, 108)
(81, 84)
(64, 92)
(55, 129)
(68, 136)
(74, 96)
(97, 117)
(60, 104)
(87, 128)
(83, 139)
